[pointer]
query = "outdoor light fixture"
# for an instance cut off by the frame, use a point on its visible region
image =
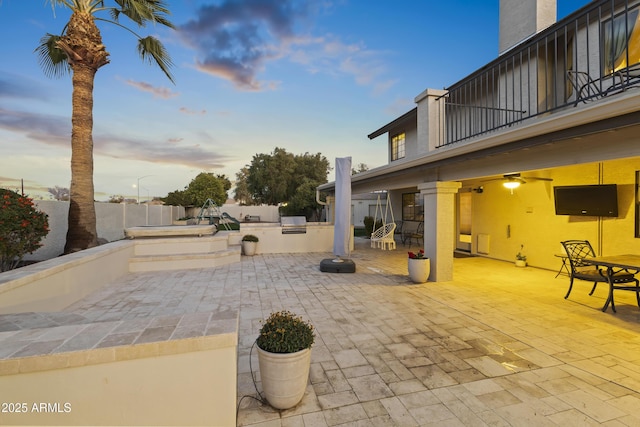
(511, 184)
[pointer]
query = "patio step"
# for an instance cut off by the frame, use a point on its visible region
(140, 263)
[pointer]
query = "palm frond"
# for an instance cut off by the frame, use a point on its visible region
(151, 50)
(51, 58)
(143, 11)
(115, 14)
(66, 3)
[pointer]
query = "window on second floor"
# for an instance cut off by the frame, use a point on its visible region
(397, 146)
(622, 42)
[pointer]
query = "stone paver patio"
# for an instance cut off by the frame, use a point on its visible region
(497, 346)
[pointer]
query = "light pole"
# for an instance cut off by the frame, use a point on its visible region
(138, 186)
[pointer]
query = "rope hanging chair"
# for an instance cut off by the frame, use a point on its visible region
(383, 237)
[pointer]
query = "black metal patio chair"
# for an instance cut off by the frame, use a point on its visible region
(577, 251)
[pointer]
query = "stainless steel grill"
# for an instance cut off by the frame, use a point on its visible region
(293, 224)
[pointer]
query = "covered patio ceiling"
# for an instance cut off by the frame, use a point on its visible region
(565, 138)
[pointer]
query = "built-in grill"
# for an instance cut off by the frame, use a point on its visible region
(293, 224)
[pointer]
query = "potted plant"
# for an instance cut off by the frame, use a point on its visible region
(419, 267)
(249, 243)
(521, 258)
(284, 356)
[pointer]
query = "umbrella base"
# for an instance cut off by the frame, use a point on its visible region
(337, 265)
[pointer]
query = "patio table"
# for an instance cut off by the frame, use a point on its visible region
(615, 263)
(564, 267)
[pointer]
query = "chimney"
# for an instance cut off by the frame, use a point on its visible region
(520, 19)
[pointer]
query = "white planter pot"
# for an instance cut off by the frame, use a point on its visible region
(249, 248)
(284, 376)
(520, 263)
(419, 269)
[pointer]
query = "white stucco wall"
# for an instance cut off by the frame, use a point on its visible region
(195, 388)
(111, 220)
(527, 217)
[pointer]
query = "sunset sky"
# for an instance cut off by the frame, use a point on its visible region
(306, 76)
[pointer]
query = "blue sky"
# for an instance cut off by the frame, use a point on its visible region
(252, 75)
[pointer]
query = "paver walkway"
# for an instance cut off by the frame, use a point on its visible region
(497, 346)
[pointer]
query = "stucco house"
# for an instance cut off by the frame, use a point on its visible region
(559, 106)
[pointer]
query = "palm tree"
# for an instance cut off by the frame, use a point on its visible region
(79, 50)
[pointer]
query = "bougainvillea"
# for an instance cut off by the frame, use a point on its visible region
(417, 255)
(22, 227)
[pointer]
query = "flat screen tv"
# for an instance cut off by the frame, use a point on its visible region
(587, 200)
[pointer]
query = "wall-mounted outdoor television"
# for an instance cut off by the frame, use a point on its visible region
(587, 200)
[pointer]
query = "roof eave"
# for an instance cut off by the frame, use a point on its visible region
(409, 115)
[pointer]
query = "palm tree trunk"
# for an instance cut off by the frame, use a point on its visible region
(86, 54)
(82, 233)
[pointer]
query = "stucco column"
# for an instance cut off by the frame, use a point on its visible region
(430, 119)
(439, 227)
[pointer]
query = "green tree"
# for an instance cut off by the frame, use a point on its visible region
(303, 201)
(226, 183)
(362, 167)
(22, 227)
(177, 198)
(79, 50)
(116, 198)
(282, 178)
(241, 193)
(312, 167)
(59, 193)
(206, 186)
(270, 176)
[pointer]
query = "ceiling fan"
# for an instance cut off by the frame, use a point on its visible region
(513, 180)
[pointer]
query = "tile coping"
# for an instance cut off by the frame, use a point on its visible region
(15, 278)
(82, 344)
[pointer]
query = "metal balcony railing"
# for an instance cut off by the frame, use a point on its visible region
(592, 54)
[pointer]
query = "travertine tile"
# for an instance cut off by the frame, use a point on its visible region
(370, 387)
(314, 419)
(349, 358)
(433, 376)
(398, 413)
(406, 387)
(345, 414)
(437, 414)
(504, 350)
(488, 366)
(591, 405)
(335, 400)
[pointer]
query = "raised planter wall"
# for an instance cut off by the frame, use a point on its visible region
(188, 381)
(59, 282)
(85, 373)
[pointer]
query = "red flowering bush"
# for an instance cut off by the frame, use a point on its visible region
(419, 255)
(22, 227)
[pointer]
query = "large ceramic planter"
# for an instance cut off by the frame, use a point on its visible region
(249, 248)
(284, 376)
(419, 269)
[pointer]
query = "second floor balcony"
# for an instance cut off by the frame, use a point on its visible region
(591, 55)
